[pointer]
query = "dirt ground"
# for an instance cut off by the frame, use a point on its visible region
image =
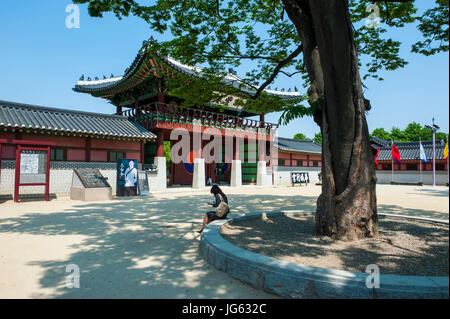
(404, 247)
(147, 247)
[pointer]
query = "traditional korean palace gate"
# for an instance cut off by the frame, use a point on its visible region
(141, 95)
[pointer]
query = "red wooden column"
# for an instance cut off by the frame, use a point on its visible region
(88, 149)
(261, 120)
(2, 141)
(161, 101)
(17, 175)
(160, 144)
(236, 148)
(197, 144)
(47, 176)
(261, 140)
(172, 173)
(142, 154)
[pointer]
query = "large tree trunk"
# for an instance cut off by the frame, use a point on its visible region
(346, 209)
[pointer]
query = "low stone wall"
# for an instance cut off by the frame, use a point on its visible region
(282, 176)
(385, 177)
(291, 280)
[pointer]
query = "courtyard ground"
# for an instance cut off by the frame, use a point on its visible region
(147, 247)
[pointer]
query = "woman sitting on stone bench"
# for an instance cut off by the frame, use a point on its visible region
(221, 205)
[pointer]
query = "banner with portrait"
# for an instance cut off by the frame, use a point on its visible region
(127, 177)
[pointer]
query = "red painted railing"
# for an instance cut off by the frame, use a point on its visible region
(156, 114)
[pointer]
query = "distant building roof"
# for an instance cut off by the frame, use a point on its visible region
(408, 150)
(23, 116)
(303, 146)
(378, 142)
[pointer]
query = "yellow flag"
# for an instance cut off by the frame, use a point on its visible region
(446, 150)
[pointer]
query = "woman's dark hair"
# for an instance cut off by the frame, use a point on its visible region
(216, 190)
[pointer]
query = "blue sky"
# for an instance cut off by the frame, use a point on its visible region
(41, 60)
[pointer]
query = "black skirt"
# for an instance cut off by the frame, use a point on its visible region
(212, 216)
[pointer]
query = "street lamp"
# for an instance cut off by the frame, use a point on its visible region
(433, 128)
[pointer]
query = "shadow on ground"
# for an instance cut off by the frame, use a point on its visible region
(140, 247)
(435, 192)
(146, 247)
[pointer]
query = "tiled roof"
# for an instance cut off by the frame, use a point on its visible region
(17, 115)
(92, 86)
(379, 142)
(293, 145)
(410, 150)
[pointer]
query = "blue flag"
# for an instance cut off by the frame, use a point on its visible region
(423, 156)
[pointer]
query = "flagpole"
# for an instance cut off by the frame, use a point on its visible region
(392, 161)
(434, 155)
(448, 173)
(420, 160)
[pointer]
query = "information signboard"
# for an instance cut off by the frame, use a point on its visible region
(91, 178)
(33, 166)
(298, 178)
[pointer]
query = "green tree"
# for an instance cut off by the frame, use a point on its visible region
(167, 152)
(300, 136)
(434, 27)
(318, 138)
(381, 133)
(398, 135)
(413, 132)
(323, 41)
(441, 136)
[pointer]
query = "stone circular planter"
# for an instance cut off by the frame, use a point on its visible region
(292, 280)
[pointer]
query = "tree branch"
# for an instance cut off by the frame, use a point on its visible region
(277, 70)
(290, 74)
(239, 57)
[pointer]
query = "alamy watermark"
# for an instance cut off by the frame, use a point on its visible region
(73, 19)
(73, 280)
(373, 280)
(373, 20)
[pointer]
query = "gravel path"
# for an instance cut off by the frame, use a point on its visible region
(405, 247)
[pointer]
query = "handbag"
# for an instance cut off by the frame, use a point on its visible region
(222, 208)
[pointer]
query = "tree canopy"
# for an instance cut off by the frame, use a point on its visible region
(301, 136)
(220, 34)
(318, 138)
(413, 132)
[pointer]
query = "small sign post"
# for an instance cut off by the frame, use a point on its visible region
(298, 178)
(143, 186)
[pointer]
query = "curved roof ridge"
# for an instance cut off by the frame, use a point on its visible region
(104, 84)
